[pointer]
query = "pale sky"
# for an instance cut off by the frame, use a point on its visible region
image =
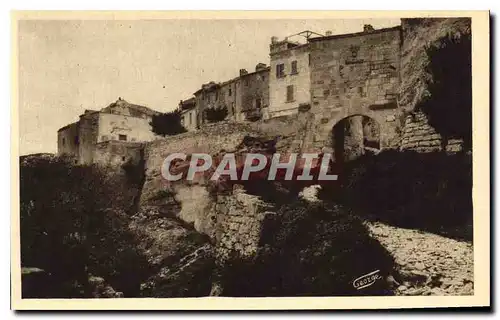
(66, 67)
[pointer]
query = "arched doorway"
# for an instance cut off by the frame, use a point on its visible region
(354, 136)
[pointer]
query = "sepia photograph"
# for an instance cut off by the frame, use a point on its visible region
(238, 155)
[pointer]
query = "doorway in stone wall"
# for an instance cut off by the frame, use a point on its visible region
(355, 136)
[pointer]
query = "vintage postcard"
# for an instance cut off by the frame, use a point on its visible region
(250, 160)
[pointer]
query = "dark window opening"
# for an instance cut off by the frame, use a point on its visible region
(289, 93)
(230, 92)
(122, 137)
(361, 91)
(123, 158)
(280, 70)
(294, 67)
(63, 141)
(258, 103)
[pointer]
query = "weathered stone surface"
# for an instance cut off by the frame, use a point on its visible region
(429, 264)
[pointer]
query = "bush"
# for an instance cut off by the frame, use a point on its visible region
(216, 114)
(72, 227)
(167, 124)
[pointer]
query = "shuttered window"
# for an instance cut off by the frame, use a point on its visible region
(289, 93)
(280, 70)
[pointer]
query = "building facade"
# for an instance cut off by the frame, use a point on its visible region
(289, 83)
(122, 122)
(187, 109)
(246, 97)
(356, 74)
(254, 94)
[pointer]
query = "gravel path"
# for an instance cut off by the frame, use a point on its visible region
(429, 264)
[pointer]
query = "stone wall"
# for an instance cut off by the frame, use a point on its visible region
(68, 141)
(356, 74)
(240, 218)
(194, 199)
(88, 133)
(117, 153)
(418, 135)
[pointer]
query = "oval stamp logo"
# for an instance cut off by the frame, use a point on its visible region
(366, 280)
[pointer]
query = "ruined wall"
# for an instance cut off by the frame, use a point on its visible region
(135, 129)
(68, 141)
(211, 139)
(278, 104)
(418, 135)
(208, 139)
(356, 74)
(240, 219)
(117, 153)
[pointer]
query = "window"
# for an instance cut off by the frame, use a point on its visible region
(258, 103)
(64, 141)
(289, 93)
(230, 92)
(190, 119)
(263, 78)
(309, 58)
(294, 67)
(123, 158)
(122, 137)
(280, 70)
(361, 91)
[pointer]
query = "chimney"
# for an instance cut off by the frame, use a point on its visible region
(243, 72)
(274, 40)
(260, 66)
(328, 33)
(368, 28)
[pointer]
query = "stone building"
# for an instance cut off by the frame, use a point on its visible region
(206, 97)
(355, 75)
(229, 98)
(119, 128)
(289, 80)
(187, 109)
(254, 93)
(245, 97)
